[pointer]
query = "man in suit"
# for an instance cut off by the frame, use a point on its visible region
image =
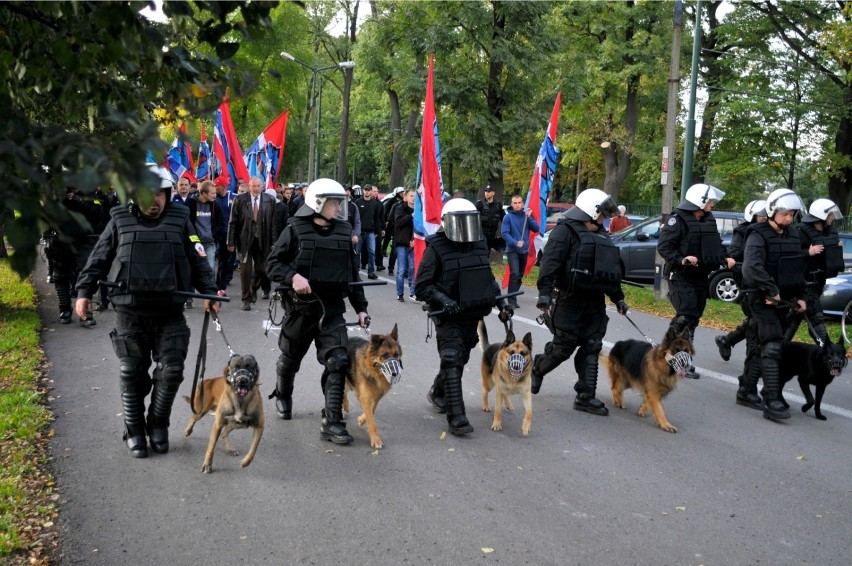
(251, 232)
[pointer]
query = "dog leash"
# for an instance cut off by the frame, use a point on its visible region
(630, 320)
(200, 363)
(219, 329)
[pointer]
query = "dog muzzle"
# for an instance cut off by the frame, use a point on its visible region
(391, 368)
(517, 363)
(680, 362)
(241, 381)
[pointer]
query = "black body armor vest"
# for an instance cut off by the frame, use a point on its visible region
(150, 262)
(830, 262)
(784, 260)
(702, 240)
(324, 260)
(466, 276)
(597, 264)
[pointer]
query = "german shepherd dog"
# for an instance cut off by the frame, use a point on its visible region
(508, 367)
(813, 366)
(374, 365)
(651, 370)
(236, 399)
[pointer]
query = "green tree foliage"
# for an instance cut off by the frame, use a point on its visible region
(81, 81)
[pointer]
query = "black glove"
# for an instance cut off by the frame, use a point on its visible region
(621, 307)
(442, 301)
(506, 313)
(543, 302)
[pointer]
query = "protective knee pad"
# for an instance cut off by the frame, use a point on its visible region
(679, 323)
(772, 351)
(451, 358)
(337, 362)
(286, 366)
(171, 372)
(593, 346)
(134, 376)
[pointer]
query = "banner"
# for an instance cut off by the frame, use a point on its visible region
(430, 187)
(179, 159)
(202, 168)
(228, 152)
(263, 159)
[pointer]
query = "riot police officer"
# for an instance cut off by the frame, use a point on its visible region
(823, 259)
(148, 253)
(755, 211)
(692, 249)
(455, 278)
(314, 257)
(580, 265)
(773, 275)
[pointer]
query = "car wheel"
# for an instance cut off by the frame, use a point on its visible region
(846, 323)
(724, 288)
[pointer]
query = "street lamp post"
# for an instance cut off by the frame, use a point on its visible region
(313, 146)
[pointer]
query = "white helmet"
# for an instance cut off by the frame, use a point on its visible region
(357, 191)
(783, 200)
(590, 204)
(318, 193)
(820, 209)
(162, 174)
(460, 221)
(753, 209)
(398, 190)
(697, 197)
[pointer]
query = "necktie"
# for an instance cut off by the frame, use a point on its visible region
(254, 209)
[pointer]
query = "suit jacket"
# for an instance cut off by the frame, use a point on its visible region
(240, 234)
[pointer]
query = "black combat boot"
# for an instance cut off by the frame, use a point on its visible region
(134, 423)
(456, 418)
(542, 365)
(162, 399)
(773, 406)
(747, 393)
(724, 347)
(436, 395)
(333, 426)
(585, 399)
(283, 393)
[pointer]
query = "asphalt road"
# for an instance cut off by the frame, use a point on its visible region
(729, 488)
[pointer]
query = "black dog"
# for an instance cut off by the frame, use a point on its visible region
(814, 366)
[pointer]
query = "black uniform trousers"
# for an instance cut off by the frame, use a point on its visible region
(580, 321)
(689, 298)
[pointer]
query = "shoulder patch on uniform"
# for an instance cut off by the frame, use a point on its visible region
(672, 221)
(194, 239)
(200, 249)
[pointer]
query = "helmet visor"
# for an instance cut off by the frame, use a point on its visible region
(608, 208)
(833, 211)
(463, 226)
(334, 208)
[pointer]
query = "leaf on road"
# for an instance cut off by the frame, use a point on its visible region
(487, 550)
(680, 508)
(800, 458)
(443, 435)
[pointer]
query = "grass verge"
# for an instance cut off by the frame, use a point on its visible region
(27, 499)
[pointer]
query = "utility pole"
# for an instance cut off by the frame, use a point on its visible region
(689, 145)
(668, 163)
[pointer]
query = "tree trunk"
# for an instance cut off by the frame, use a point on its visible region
(840, 181)
(710, 58)
(495, 102)
(342, 169)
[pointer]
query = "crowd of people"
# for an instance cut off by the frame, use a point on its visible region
(312, 241)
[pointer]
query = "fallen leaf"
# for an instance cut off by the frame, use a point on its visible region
(487, 550)
(329, 451)
(443, 435)
(451, 450)
(680, 508)
(375, 453)
(800, 457)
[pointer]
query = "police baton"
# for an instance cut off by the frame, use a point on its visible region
(285, 288)
(121, 286)
(497, 298)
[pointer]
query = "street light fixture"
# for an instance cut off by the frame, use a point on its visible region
(313, 147)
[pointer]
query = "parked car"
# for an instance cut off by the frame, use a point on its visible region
(555, 210)
(634, 219)
(638, 246)
(837, 294)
